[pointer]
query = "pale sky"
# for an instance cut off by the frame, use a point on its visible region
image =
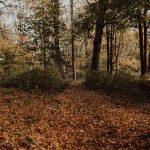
(8, 18)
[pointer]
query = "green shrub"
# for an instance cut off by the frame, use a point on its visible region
(123, 81)
(143, 84)
(103, 80)
(98, 80)
(35, 78)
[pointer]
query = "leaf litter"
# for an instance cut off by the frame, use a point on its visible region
(76, 119)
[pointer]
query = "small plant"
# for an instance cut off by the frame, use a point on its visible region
(6, 146)
(26, 142)
(7, 101)
(31, 118)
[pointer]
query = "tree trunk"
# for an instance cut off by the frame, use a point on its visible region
(72, 41)
(43, 39)
(141, 45)
(149, 62)
(143, 28)
(145, 49)
(108, 48)
(111, 49)
(56, 15)
(97, 44)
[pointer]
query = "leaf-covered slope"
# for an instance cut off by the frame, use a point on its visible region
(75, 119)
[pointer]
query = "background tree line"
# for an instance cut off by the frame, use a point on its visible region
(75, 36)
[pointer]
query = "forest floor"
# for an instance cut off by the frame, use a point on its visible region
(76, 119)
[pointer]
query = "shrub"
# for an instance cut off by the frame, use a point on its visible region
(123, 81)
(143, 84)
(98, 80)
(103, 80)
(35, 78)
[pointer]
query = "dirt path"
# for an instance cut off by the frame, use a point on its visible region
(75, 119)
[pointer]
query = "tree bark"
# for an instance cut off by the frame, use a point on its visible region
(141, 45)
(108, 48)
(111, 49)
(149, 62)
(143, 40)
(72, 41)
(56, 15)
(43, 39)
(97, 44)
(145, 49)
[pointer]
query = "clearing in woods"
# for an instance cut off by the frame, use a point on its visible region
(76, 119)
